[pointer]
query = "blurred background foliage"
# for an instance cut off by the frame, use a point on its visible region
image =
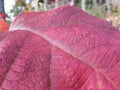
(98, 8)
(106, 9)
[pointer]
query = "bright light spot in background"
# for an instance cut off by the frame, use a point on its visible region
(8, 6)
(27, 1)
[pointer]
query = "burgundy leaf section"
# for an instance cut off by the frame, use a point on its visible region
(25, 62)
(92, 47)
(69, 73)
(66, 49)
(9, 48)
(67, 15)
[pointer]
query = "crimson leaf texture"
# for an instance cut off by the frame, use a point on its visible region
(61, 49)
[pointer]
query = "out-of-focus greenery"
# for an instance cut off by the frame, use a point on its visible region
(114, 10)
(97, 10)
(18, 9)
(92, 9)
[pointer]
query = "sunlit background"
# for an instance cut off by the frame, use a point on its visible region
(8, 7)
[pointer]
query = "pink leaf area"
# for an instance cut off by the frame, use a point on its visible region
(61, 49)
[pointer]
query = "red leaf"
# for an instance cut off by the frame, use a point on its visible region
(67, 15)
(66, 49)
(4, 26)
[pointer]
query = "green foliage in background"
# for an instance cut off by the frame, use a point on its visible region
(18, 9)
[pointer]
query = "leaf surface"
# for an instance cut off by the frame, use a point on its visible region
(63, 55)
(67, 15)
